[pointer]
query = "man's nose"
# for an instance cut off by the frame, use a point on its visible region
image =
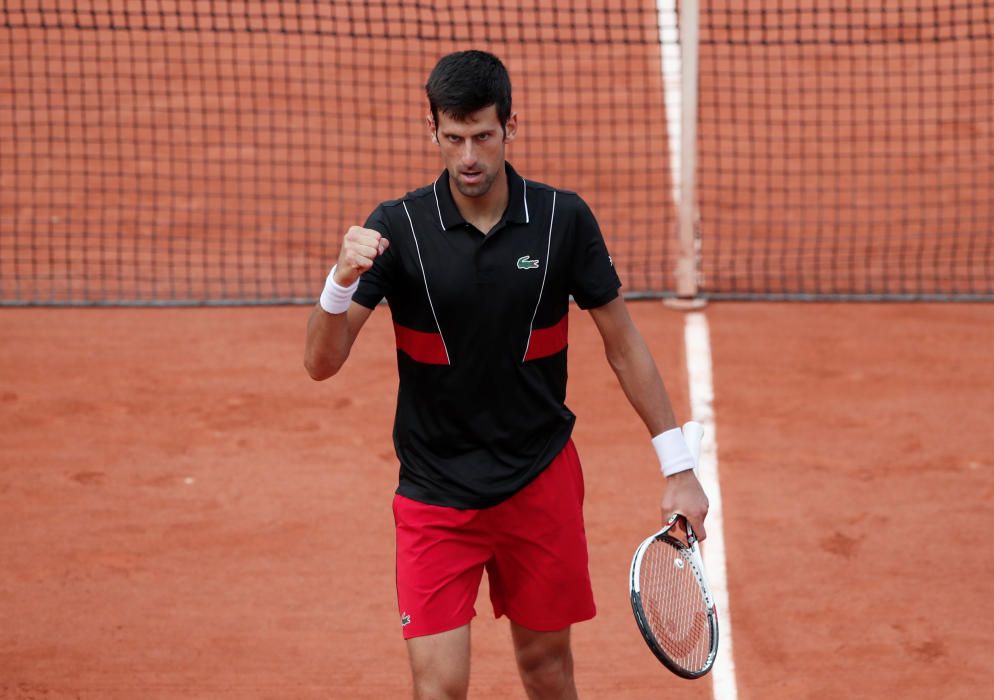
(469, 153)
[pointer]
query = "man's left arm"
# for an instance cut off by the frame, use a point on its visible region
(629, 357)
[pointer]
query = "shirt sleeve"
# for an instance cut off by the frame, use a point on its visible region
(377, 282)
(593, 279)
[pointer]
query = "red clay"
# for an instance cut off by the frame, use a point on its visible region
(856, 469)
(184, 514)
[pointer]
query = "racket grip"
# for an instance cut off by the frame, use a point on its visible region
(693, 434)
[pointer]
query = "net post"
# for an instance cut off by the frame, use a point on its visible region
(686, 268)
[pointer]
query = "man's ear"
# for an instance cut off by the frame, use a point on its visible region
(511, 128)
(430, 123)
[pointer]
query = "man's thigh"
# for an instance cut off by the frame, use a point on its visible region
(539, 576)
(440, 663)
(441, 555)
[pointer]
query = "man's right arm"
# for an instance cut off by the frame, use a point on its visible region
(330, 338)
(330, 335)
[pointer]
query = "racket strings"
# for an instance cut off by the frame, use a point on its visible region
(675, 608)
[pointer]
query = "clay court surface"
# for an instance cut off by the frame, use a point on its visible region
(184, 514)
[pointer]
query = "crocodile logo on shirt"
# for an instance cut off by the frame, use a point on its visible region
(525, 264)
(405, 620)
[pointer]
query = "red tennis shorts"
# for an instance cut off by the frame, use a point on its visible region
(533, 546)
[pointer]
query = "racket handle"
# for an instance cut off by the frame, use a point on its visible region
(682, 519)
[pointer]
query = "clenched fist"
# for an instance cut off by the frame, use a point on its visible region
(359, 249)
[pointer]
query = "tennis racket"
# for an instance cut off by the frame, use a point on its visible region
(671, 599)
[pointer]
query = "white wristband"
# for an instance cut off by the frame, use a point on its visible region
(674, 455)
(335, 298)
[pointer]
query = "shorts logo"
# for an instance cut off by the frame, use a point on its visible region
(405, 620)
(525, 264)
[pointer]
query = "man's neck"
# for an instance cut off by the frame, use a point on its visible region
(484, 212)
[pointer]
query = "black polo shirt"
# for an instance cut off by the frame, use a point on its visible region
(481, 328)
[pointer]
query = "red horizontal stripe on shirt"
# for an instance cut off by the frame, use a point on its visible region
(548, 341)
(422, 347)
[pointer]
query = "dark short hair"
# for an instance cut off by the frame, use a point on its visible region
(467, 81)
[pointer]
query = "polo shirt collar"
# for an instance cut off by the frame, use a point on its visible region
(517, 207)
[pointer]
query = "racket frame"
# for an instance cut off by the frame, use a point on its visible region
(691, 553)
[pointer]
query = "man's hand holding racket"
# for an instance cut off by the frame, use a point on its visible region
(685, 495)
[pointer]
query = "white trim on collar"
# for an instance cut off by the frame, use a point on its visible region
(437, 205)
(524, 196)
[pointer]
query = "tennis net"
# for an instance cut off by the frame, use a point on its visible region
(214, 152)
(847, 149)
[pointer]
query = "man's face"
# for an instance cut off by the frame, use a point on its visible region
(473, 150)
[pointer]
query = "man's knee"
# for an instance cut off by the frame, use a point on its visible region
(440, 679)
(545, 662)
(440, 665)
(440, 686)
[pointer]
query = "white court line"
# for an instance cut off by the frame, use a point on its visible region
(698, 344)
(669, 47)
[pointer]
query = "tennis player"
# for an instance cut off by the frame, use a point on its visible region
(478, 268)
